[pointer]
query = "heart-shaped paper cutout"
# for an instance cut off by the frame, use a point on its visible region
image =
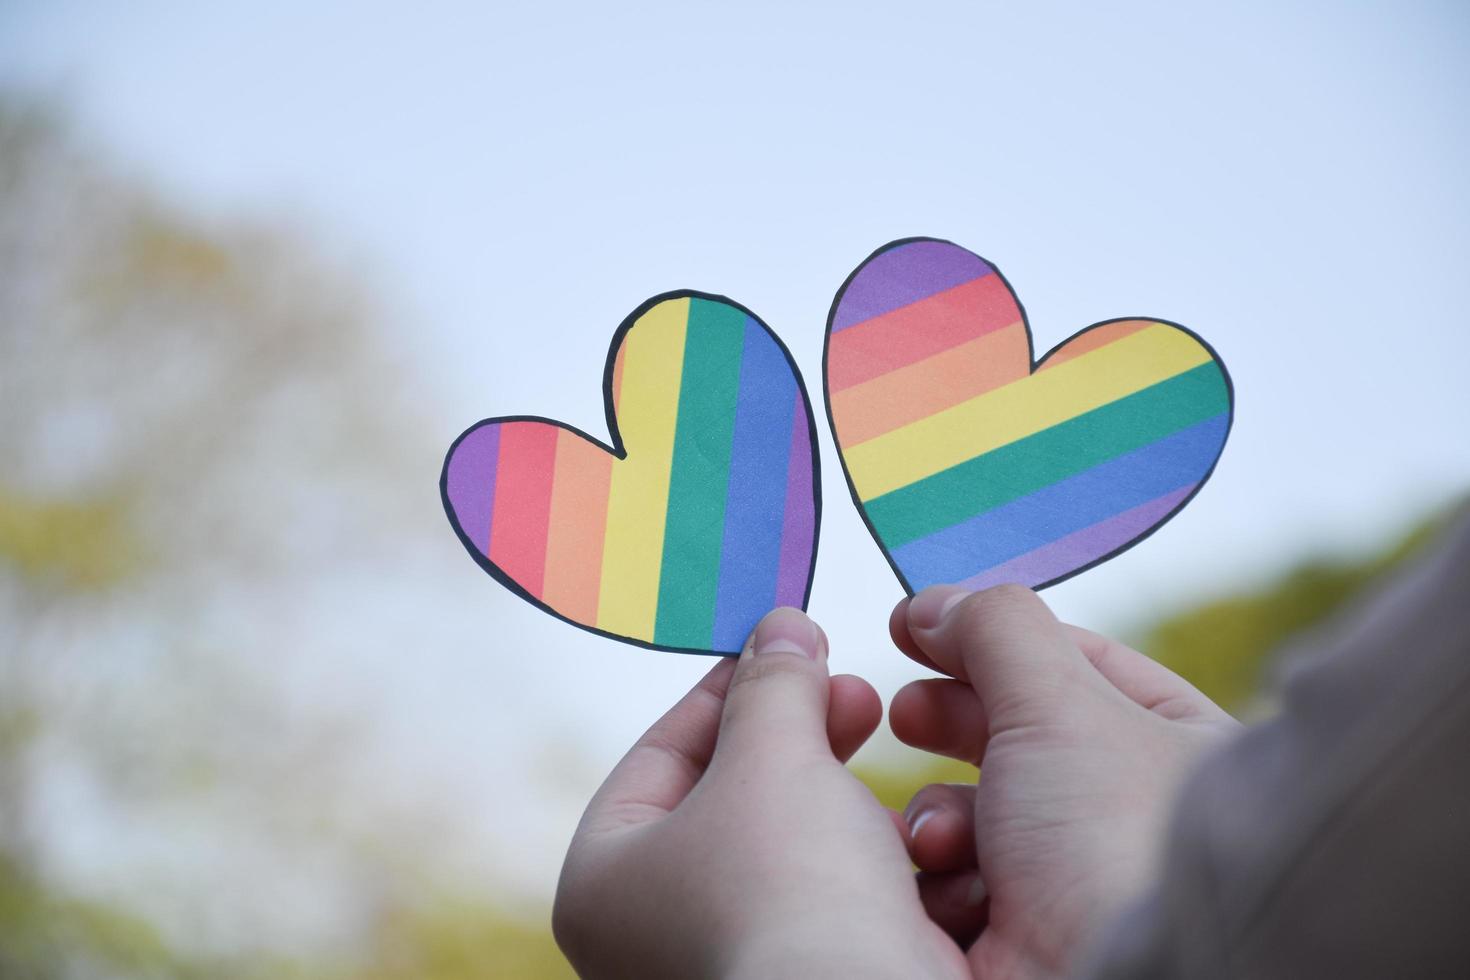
(973, 465)
(700, 518)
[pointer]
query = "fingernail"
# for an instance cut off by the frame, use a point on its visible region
(928, 609)
(919, 819)
(977, 892)
(787, 630)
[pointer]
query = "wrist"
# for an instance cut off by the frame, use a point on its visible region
(809, 952)
(771, 961)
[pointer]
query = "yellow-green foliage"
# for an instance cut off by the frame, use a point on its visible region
(43, 935)
(895, 784)
(1223, 646)
(459, 940)
(73, 545)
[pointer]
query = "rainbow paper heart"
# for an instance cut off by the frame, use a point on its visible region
(699, 519)
(973, 465)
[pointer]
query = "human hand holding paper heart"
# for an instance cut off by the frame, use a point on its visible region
(732, 842)
(1083, 744)
(971, 464)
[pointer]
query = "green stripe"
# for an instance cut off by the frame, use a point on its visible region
(1027, 465)
(694, 530)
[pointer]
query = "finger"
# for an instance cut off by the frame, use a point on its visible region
(1144, 680)
(776, 707)
(853, 713)
(901, 825)
(898, 629)
(1008, 645)
(941, 716)
(941, 819)
(663, 765)
(956, 902)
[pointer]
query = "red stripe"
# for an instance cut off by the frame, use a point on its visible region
(524, 475)
(911, 333)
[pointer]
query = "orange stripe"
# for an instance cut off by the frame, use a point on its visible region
(919, 390)
(578, 524)
(920, 330)
(617, 392)
(1092, 340)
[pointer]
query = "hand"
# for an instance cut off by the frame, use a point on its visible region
(1082, 743)
(732, 841)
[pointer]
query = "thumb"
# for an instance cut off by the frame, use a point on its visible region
(1008, 645)
(776, 706)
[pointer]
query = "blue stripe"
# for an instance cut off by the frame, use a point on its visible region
(1094, 495)
(755, 498)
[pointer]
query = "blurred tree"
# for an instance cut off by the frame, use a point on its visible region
(1223, 646)
(41, 934)
(895, 783)
(197, 423)
(461, 939)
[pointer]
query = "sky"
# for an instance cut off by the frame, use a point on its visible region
(1285, 178)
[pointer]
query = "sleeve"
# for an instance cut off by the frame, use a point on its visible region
(1334, 840)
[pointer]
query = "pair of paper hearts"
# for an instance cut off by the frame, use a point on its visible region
(969, 462)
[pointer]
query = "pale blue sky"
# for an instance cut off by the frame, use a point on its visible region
(1287, 179)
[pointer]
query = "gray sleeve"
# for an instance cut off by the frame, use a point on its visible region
(1333, 841)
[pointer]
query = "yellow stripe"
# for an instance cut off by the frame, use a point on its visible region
(1022, 408)
(648, 409)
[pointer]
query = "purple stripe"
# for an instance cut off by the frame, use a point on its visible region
(905, 275)
(800, 522)
(470, 483)
(1077, 549)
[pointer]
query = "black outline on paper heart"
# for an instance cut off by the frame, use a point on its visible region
(1035, 362)
(619, 452)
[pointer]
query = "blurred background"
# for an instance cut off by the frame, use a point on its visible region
(261, 716)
